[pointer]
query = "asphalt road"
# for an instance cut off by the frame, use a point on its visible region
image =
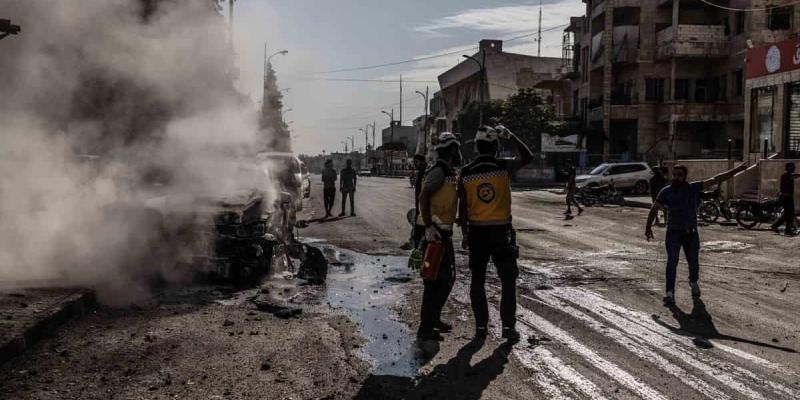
(590, 295)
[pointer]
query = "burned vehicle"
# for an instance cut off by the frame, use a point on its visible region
(224, 235)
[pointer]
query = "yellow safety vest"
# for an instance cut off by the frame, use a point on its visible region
(444, 202)
(487, 188)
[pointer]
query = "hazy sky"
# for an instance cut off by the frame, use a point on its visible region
(326, 35)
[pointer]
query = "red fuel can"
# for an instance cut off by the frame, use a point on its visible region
(432, 260)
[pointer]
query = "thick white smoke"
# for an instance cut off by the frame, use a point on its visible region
(110, 102)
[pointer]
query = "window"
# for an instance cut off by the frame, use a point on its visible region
(701, 91)
(723, 88)
(780, 18)
(681, 89)
(738, 82)
(739, 22)
(653, 89)
(617, 170)
(763, 105)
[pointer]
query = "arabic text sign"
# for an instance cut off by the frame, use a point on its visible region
(779, 57)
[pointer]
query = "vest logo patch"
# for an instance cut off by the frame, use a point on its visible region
(486, 192)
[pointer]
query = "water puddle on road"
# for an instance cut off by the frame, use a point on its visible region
(370, 288)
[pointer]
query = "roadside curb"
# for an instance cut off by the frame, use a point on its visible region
(72, 306)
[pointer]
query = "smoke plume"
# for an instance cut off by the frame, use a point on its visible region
(108, 103)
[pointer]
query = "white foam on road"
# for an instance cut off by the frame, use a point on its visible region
(635, 347)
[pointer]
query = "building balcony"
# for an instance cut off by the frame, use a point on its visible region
(622, 111)
(598, 9)
(700, 112)
(693, 41)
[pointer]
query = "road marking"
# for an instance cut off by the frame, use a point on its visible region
(612, 370)
(642, 326)
(636, 348)
(551, 373)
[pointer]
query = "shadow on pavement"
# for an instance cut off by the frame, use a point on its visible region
(701, 324)
(454, 380)
(325, 220)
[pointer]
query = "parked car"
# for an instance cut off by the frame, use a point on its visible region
(365, 172)
(634, 176)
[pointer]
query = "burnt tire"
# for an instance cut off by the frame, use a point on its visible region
(746, 218)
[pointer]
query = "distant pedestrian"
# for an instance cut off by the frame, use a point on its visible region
(485, 214)
(786, 197)
(347, 184)
(570, 190)
(657, 182)
(329, 187)
(438, 206)
(680, 199)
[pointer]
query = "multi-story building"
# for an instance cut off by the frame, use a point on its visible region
(772, 96)
(656, 79)
(505, 74)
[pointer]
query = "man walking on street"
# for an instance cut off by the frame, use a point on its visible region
(438, 206)
(680, 199)
(786, 197)
(347, 184)
(657, 182)
(329, 187)
(485, 215)
(571, 188)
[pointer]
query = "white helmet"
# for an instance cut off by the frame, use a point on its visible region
(486, 134)
(445, 140)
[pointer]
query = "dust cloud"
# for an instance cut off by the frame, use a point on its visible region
(107, 105)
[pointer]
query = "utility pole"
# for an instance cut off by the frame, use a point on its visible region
(539, 41)
(423, 150)
(230, 19)
(401, 99)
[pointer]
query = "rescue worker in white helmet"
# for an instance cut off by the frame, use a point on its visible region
(485, 216)
(438, 206)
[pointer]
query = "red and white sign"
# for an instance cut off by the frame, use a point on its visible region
(779, 57)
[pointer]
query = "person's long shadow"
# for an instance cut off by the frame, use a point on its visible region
(323, 220)
(700, 326)
(456, 379)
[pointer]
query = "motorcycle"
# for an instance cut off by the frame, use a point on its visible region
(713, 206)
(752, 213)
(606, 194)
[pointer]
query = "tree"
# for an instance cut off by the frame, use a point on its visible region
(528, 115)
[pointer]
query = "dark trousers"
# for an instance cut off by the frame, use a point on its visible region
(435, 293)
(787, 201)
(493, 242)
(329, 197)
(345, 194)
(417, 235)
(689, 240)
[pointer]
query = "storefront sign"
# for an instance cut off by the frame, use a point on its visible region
(779, 57)
(558, 144)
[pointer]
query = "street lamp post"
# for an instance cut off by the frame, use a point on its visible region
(482, 71)
(425, 141)
(391, 136)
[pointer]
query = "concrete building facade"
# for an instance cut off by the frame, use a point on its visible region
(658, 79)
(505, 74)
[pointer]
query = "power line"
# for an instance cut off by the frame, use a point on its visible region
(748, 9)
(418, 59)
(366, 80)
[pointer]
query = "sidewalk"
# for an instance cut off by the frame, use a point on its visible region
(28, 315)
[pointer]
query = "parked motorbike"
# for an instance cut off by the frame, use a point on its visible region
(713, 206)
(606, 194)
(752, 213)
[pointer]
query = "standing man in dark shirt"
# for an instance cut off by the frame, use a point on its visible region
(786, 197)
(681, 199)
(329, 187)
(570, 190)
(347, 184)
(657, 182)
